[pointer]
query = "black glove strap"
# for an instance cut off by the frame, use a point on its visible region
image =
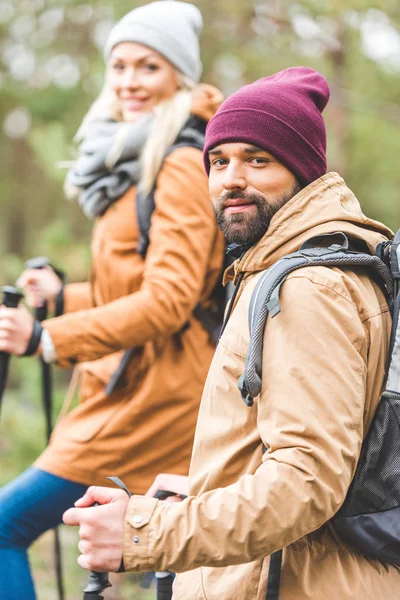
(34, 342)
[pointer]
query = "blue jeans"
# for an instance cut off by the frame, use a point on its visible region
(29, 505)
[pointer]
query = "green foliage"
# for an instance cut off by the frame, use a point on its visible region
(50, 146)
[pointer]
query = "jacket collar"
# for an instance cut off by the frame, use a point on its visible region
(324, 206)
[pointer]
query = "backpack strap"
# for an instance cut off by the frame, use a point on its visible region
(265, 297)
(274, 575)
(190, 136)
(393, 377)
(395, 260)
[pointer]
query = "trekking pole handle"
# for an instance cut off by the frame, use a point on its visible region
(39, 262)
(97, 583)
(11, 296)
(11, 299)
(164, 494)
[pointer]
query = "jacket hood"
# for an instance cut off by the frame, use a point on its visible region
(325, 206)
(206, 101)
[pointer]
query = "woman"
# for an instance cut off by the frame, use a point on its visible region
(140, 300)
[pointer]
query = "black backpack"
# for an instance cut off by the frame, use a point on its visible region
(369, 519)
(191, 136)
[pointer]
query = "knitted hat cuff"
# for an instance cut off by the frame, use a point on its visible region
(142, 33)
(270, 133)
(169, 27)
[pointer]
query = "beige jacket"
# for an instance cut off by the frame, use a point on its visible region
(323, 372)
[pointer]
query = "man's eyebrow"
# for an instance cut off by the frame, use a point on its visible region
(214, 152)
(251, 149)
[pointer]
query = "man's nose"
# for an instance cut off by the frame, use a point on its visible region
(234, 177)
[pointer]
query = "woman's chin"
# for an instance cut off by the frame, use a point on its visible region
(130, 116)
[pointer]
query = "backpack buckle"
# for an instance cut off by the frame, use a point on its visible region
(248, 400)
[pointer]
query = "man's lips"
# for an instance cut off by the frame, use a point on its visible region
(237, 205)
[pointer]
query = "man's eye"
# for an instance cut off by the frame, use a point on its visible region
(219, 162)
(118, 67)
(258, 160)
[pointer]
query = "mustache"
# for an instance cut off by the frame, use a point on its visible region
(248, 198)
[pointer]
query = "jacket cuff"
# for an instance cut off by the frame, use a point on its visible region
(65, 353)
(48, 351)
(139, 535)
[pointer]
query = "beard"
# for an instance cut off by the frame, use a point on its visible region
(247, 228)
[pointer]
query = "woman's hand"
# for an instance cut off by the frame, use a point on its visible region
(16, 326)
(40, 286)
(172, 483)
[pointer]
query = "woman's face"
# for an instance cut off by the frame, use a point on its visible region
(141, 78)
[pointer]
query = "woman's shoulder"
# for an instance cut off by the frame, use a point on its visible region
(186, 153)
(183, 161)
(182, 179)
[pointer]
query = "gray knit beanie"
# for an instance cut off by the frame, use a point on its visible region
(170, 27)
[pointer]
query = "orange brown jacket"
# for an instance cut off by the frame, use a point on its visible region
(147, 425)
(323, 372)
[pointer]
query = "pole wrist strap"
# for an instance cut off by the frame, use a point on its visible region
(34, 341)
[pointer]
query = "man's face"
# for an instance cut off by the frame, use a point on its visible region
(247, 187)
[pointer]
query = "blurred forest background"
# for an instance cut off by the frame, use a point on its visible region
(51, 69)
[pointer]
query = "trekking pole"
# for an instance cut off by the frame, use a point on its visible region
(164, 586)
(98, 582)
(165, 579)
(47, 388)
(11, 299)
(41, 314)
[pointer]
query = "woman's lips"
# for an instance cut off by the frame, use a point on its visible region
(134, 103)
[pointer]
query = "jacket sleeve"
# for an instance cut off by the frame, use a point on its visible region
(77, 296)
(183, 231)
(310, 418)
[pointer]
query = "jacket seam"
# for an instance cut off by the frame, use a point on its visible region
(325, 285)
(348, 299)
(381, 310)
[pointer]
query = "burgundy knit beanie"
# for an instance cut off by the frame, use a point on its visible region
(281, 114)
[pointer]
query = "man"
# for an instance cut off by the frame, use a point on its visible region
(323, 372)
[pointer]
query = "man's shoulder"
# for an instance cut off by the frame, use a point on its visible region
(334, 279)
(356, 286)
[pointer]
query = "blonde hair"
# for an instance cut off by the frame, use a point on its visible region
(169, 118)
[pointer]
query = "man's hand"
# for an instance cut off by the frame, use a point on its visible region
(101, 528)
(16, 326)
(172, 483)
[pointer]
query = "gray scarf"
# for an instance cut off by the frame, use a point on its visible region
(108, 163)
